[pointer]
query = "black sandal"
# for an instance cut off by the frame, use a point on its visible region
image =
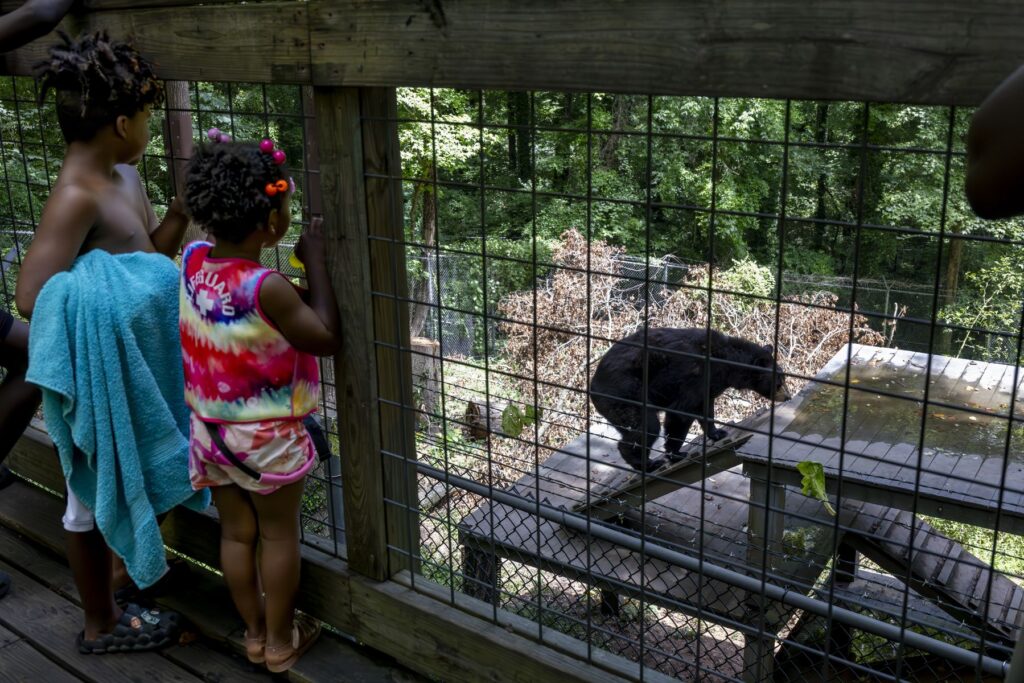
(177, 571)
(139, 630)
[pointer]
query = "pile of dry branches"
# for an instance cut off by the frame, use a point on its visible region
(580, 312)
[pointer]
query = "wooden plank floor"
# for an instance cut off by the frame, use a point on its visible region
(41, 616)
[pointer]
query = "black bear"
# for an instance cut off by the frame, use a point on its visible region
(676, 361)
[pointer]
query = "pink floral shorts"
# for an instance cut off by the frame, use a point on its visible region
(279, 450)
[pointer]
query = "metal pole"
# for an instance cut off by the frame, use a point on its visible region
(1016, 672)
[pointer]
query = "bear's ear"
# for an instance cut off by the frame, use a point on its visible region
(769, 349)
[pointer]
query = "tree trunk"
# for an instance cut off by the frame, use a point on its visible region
(426, 373)
(519, 157)
(821, 137)
(428, 233)
(621, 110)
(483, 419)
(953, 264)
(562, 143)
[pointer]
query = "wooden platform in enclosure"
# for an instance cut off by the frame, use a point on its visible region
(965, 437)
(41, 616)
(690, 518)
(702, 503)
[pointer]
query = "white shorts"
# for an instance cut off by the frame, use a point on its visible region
(77, 518)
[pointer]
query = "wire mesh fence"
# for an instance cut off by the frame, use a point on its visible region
(32, 149)
(834, 232)
(868, 527)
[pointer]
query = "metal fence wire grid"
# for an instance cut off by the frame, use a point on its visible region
(868, 527)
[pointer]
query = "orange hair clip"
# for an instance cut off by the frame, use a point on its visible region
(273, 188)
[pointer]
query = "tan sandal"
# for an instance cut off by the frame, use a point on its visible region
(255, 649)
(305, 631)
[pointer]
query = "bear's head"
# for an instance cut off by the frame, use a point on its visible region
(767, 370)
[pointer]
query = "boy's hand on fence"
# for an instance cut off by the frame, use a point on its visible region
(310, 247)
(178, 205)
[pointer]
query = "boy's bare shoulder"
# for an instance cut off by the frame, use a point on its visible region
(71, 199)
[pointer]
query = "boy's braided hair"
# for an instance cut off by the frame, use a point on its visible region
(225, 188)
(96, 79)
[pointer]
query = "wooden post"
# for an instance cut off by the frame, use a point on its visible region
(846, 564)
(341, 176)
(178, 142)
(311, 160)
(765, 503)
(315, 207)
(390, 286)
(481, 570)
(362, 219)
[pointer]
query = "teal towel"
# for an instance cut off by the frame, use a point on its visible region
(104, 347)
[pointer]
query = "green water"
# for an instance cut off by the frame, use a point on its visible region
(873, 417)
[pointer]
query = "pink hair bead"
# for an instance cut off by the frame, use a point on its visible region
(224, 137)
(279, 157)
(266, 145)
(213, 134)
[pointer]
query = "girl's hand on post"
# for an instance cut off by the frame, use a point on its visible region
(310, 247)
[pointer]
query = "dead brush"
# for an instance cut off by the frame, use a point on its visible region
(580, 312)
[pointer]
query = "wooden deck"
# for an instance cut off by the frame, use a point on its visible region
(41, 616)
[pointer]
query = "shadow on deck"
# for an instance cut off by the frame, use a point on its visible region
(41, 616)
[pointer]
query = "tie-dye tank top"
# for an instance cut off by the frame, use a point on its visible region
(238, 365)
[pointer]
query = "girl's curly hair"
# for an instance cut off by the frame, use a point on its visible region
(225, 188)
(96, 80)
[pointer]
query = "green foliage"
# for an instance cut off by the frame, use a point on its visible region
(1009, 548)
(514, 420)
(990, 300)
(747, 277)
(812, 483)
(508, 269)
(808, 261)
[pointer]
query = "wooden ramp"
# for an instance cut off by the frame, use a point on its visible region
(941, 570)
(872, 593)
(629, 490)
(708, 517)
(41, 616)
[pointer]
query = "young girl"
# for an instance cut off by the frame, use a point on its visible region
(248, 339)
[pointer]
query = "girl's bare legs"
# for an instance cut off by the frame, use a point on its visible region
(278, 516)
(238, 537)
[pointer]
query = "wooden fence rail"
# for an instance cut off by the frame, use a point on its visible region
(915, 51)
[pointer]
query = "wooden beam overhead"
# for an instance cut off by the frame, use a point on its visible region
(920, 51)
(263, 42)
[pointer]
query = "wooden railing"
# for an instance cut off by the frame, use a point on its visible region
(924, 51)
